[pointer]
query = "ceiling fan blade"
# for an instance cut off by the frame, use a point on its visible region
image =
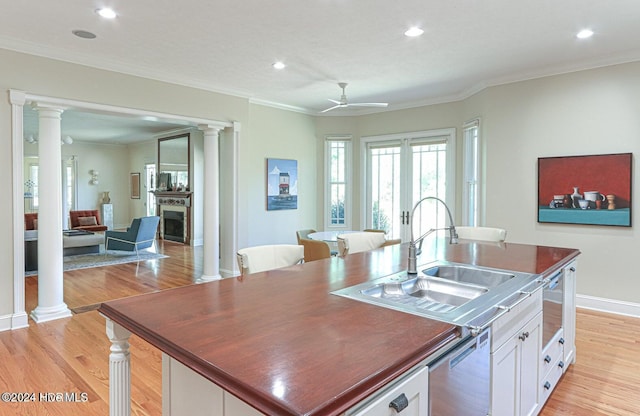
(331, 108)
(334, 101)
(369, 104)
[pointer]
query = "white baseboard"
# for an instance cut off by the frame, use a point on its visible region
(618, 307)
(5, 323)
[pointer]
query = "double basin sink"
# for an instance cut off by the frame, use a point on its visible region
(460, 294)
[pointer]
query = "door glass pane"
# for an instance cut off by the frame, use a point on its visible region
(428, 179)
(385, 190)
(337, 181)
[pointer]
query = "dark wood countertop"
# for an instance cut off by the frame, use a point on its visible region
(281, 342)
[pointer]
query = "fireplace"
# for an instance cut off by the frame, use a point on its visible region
(173, 225)
(174, 209)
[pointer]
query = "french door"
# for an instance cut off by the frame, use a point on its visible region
(402, 169)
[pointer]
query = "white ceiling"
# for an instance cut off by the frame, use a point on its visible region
(229, 45)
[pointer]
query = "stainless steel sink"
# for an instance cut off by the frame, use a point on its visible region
(469, 274)
(426, 293)
(460, 294)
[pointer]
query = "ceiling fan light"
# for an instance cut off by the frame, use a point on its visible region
(413, 32)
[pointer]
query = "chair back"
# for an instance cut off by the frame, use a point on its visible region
(357, 242)
(75, 216)
(268, 257)
(482, 233)
(315, 250)
(146, 227)
(300, 234)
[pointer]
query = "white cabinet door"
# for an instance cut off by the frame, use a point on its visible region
(569, 314)
(412, 391)
(514, 372)
(531, 344)
(505, 376)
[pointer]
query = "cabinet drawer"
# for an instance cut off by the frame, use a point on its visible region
(414, 387)
(550, 381)
(507, 325)
(552, 354)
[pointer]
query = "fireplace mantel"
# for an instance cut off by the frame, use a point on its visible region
(166, 200)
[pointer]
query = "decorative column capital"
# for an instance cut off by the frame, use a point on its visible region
(17, 97)
(211, 129)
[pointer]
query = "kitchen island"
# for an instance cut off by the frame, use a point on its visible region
(283, 344)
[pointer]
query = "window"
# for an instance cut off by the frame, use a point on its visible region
(471, 191)
(337, 210)
(150, 174)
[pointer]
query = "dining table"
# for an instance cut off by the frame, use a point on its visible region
(329, 236)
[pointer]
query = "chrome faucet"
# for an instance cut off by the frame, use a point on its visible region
(453, 235)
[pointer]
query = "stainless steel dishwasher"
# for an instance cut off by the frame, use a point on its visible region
(459, 382)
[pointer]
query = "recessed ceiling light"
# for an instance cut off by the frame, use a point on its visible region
(83, 34)
(584, 34)
(413, 32)
(279, 65)
(107, 13)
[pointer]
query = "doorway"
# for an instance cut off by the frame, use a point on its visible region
(402, 169)
(18, 100)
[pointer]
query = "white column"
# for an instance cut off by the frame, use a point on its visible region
(119, 370)
(50, 267)
(19, 317)
(211, 246)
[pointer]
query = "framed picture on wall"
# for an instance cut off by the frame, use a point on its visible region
(135, 185)
(590, 189)
(282, 184)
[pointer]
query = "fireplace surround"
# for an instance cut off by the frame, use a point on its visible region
(174, 209)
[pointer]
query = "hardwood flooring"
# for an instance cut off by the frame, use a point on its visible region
(71, 355)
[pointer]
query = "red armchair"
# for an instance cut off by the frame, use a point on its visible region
(31, 221)
(88, 220)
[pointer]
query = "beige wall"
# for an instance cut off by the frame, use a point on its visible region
(277, 134)
(40, 76)
(587, 112)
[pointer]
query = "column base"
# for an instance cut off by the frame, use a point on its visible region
(206, 278)
(44, 314)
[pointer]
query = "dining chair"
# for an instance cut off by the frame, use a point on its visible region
(315, 250)
(482, 233)
(387, 242)
(300, 234)
(357, 242)
(268, 257)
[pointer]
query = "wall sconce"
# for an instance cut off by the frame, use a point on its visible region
(94, 177)
(33, 139)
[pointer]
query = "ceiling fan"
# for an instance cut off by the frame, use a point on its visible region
(343, 103)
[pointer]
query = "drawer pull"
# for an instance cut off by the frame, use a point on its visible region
(524, 336)
(547, 385)
(399, 403)
(561, 341)
(547, 359)
(561, 364)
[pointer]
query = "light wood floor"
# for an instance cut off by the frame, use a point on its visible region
(71, 355)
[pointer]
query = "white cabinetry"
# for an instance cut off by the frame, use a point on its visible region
(411, 392)
(569, 313)
(515, 353)
(561, 350)
(184, 392)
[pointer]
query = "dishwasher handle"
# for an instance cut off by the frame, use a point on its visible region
(476, 329)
